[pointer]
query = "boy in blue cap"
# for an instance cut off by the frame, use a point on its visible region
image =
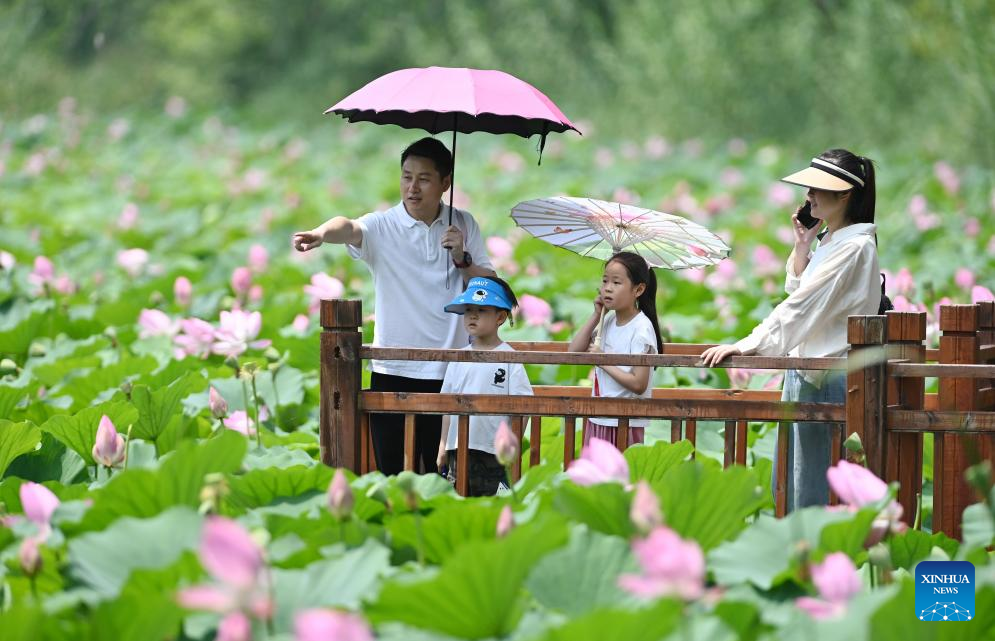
(485, 306)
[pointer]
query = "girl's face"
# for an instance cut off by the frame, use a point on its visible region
(828, 205)
(617, 290)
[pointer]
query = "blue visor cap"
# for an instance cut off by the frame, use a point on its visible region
(483, 292)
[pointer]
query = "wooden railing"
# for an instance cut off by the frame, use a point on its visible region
(886, 404)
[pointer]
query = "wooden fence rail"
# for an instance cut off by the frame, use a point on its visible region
(886, 402)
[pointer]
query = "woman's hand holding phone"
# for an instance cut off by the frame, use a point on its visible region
(805, 225)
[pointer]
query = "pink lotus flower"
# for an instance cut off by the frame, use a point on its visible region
(780, 195)
(536, 311)
(979, 294)
(972, 227)
(128, 217)
(217, 403)
(599, 462)
(340, 498)
(64, 285)
(132, 261)
(326, 625)
(499, 247)
(7, 261)
(154, 322)
(182, 291)
(234, 627)
(196, 340)
(29, 556)
(301, 323)
(947, 176)
(239, 421)
(645, 509)
(904, 282)
(258, 258)
(38, 503)
(241, 281)
(109, 450)
(656, 147)
(505, 522)
(505, 445)
(964, 278)
(255, 294)
(237, 332)
(724, 276)
(323, 287)
(765, 261)
(43, 273)
(837, 581)
(671, 567)
(235, 561)
(857, 487)
(731, 177)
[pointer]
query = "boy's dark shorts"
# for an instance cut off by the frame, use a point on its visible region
(486, 474)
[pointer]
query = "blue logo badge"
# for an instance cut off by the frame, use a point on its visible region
(945, 591)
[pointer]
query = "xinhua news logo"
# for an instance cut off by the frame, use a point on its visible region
(945, 591)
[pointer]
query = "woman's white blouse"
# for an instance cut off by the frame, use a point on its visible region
(841, 279)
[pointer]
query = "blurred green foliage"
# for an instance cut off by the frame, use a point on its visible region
(913, 75)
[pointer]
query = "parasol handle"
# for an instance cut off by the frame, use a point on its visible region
(599, 341)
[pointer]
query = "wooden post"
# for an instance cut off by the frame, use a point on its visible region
(742, 440)
(569, 440)
(622, 434)
(781, 472)
(675, 430)
(535, 440)
(409, 442)
(986, 336)
(953, 453)
(340, 380)
(729, 446)
(692, 433)
(463, 455)
(518, 429)
(903, 452)
(865, 386)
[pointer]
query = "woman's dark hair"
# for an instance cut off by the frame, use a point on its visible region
(640, 273)
(435, 151)
(860, 207)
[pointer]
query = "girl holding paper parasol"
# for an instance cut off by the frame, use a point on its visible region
(630, 326)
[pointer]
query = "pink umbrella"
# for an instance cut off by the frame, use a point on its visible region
(439, 99)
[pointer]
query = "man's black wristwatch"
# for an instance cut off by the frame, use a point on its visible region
(467, 261)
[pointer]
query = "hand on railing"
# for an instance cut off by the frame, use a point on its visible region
(715, 355)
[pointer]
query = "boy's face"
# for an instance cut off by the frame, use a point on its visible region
(422, 187)
(483, 321)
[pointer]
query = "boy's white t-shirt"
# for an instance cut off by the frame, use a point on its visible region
(483, 378)
(635, 337)
(414, 279)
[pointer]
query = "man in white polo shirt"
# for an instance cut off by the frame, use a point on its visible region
(405, 249)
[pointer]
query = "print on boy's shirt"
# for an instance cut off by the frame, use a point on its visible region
(499, 376)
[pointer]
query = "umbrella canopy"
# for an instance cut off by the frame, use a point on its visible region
(599, 229)
(439, 99)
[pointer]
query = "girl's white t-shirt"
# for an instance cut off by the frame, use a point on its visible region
(635, 337)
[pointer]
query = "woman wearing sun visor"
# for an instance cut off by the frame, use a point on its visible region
(826, 286)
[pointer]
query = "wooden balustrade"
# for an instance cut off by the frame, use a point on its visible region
(886, 404)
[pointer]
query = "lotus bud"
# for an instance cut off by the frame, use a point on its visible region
(340, 498)
(217, 403)
(505, 445)
(126, 388)
(156, 298)
(272, 354)
(30, 557)
(645, 510)
(109, 450)
(37, 350)
(505, 522)
(232, 362)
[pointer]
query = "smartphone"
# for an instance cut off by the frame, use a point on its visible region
(805, 216)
